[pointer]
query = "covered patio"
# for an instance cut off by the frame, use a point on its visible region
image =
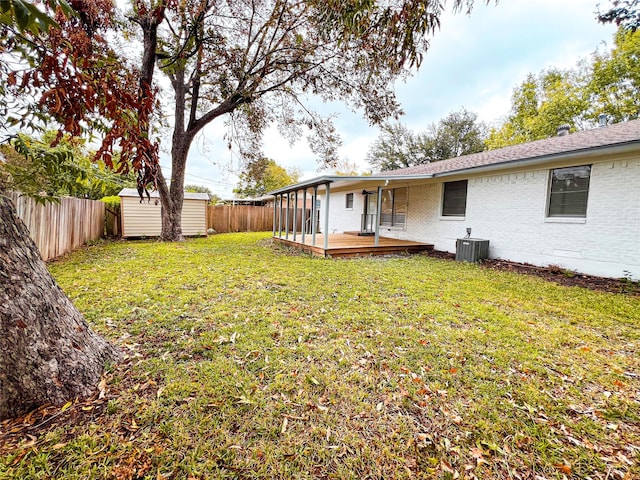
(307, 228)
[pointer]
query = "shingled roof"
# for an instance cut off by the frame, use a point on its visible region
(586, 140)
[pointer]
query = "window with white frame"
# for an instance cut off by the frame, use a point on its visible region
(454, 199)
(394, 207)
(348, 201)
(569, 191)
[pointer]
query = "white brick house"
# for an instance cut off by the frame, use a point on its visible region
(571, 201)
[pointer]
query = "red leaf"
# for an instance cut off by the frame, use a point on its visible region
(566, 469)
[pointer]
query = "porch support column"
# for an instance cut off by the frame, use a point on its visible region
(376, 238)
(314, 216)
(286, 221)
(295, 215)
(304, 213)
(326, 217)
(275, 204)
(280, 217)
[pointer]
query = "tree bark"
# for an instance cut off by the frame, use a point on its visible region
(171, 211)
(180, 142)
(48, 353)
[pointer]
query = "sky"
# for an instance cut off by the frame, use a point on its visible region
(474, 62)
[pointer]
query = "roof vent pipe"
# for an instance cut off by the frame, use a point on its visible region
(563, 130)
(602, 120)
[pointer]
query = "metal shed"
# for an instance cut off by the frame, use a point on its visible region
(144, 220)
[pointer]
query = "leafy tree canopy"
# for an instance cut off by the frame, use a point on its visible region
(262, 176)
(213, 198)
(459, 133)
(27, 17)
(608, 84)
(614, 80)
(58, 69)
(540, 105)
(625, 13)
(197, 189)
(396, 147)
(35, 168)
(345, 168)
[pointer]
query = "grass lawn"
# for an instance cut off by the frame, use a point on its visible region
(244, 361)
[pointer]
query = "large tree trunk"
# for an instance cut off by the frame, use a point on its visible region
(171, 212)
(48, 353)
(172, 198)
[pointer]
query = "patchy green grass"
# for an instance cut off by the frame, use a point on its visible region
(244, 361)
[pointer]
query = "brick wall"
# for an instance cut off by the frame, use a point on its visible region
(509, 209)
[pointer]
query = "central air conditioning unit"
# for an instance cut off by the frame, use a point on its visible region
(472, 249)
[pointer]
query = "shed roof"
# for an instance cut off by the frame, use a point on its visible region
(132, 192)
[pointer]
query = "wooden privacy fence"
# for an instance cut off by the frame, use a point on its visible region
(58, 228)
(245, 218)
(239, 218)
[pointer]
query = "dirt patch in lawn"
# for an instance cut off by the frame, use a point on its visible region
(557, 274)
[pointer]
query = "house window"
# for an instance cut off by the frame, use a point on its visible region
(348, 201)
(394, 207)
(454, 199)
(569, 191)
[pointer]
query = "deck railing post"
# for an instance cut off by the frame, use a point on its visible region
(326, 217)
(376, 241)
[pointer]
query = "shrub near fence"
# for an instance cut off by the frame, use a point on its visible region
(239, 218)
(58, 228)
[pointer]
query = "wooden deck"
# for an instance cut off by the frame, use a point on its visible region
(344, 245)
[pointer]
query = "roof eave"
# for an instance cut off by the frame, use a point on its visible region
(533, 161)
(326, 179)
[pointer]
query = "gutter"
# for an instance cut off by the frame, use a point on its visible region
(326, 179)
(582, 153)
(588, 152)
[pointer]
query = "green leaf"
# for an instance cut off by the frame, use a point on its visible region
(22, 16)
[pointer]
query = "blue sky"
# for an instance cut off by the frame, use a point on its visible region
(474, 62)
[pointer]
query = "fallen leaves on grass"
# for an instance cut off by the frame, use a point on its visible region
(241, 363)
